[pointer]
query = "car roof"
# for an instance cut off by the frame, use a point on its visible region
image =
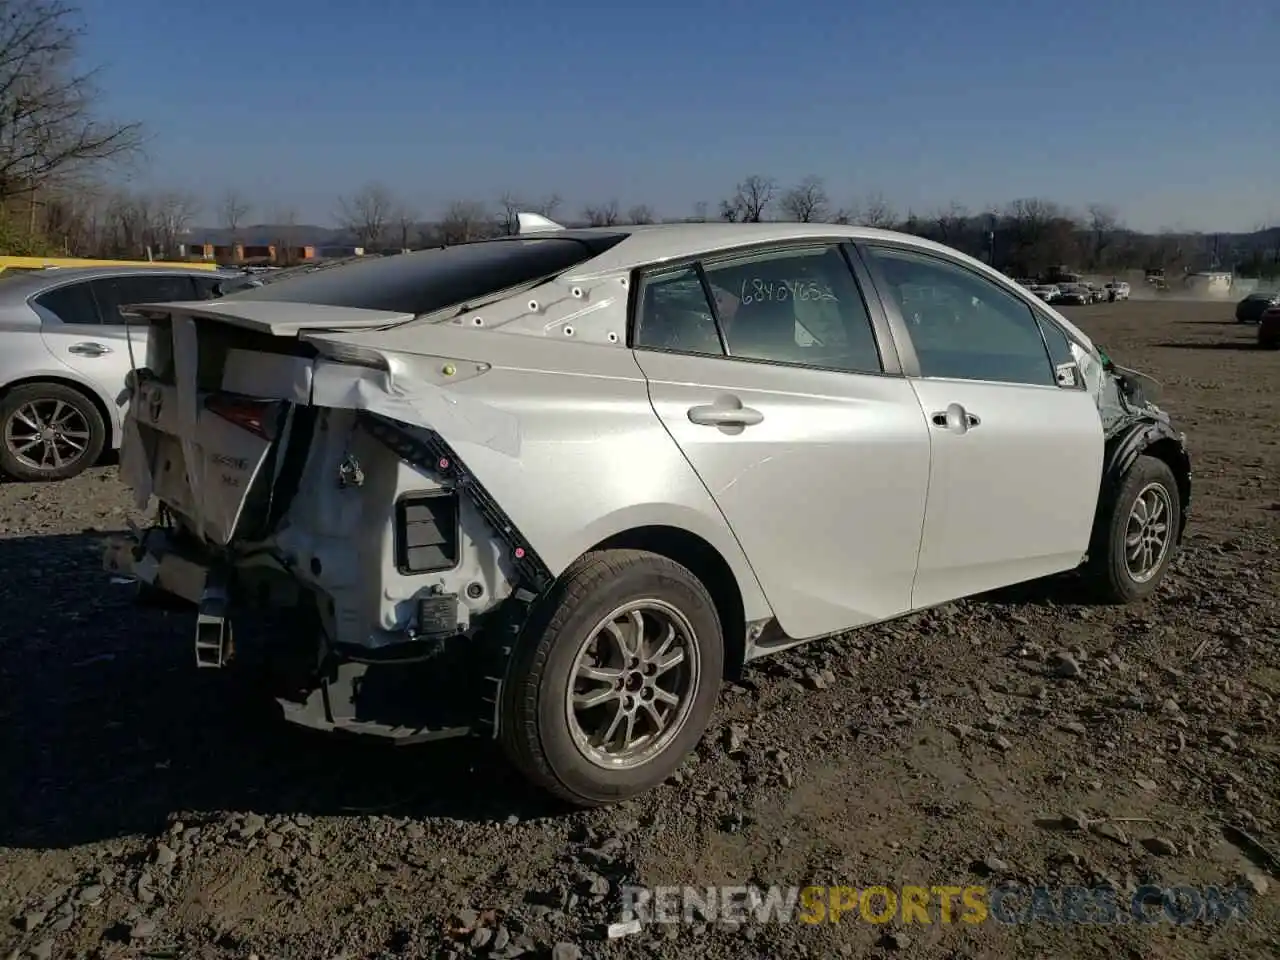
(21, 285)
(647, 244)
(633, 246)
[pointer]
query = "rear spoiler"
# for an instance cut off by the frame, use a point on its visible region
(276, 317)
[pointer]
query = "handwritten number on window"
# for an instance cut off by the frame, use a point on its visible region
(780, 291)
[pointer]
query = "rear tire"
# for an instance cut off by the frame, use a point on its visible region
(1115, 573)
(49, 431)
(579, 646)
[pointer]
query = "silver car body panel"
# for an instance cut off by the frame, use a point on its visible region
(837, 510)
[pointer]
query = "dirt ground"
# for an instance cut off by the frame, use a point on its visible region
(147, 810)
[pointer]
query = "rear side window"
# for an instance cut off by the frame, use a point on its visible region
(675, 314)
(70, 304)
(430, 280)
(112, 293)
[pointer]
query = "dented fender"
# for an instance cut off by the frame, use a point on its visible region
(1134, 439)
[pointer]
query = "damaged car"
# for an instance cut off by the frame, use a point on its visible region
(553, 488)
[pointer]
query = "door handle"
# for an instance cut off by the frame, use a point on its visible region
(89, 349)
(955, 418)
(728, 412)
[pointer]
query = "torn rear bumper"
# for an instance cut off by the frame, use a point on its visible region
(150, 558)
(410, 693)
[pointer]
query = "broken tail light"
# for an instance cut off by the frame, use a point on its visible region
(256, 416)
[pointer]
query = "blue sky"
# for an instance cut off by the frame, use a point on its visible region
(1168, 110)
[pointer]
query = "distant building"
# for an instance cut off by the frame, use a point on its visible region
(239, 253)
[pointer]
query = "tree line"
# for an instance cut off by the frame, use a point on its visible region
(58, 155)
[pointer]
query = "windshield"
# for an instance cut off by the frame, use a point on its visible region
(430, 280)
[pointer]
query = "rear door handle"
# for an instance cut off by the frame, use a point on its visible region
(955, 418)
(727, 413)
(89, 349)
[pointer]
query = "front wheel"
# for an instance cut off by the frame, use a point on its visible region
(1137, 534)
(615, 678)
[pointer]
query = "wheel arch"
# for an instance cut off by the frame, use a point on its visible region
(87, 391)
(1155, 439)
(706, 563)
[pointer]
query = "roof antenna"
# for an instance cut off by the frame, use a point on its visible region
(536, 223)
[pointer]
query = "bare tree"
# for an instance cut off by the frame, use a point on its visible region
(641, 213)
(951, 223)
(876, 211)
(548, 205)
(750, 199)
(128, 227)
(464, 220)
(700, 210)
(233, 208)
(1041, 235)
(367, 213)
(48, 128)
(405, 219)
(174, 211)
(806, 202)
(605, 215)
(1103, 221)
(71, 221)
(509, 208)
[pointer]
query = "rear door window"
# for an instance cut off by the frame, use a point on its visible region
(72, 303)
(790, 305)
(795, 305)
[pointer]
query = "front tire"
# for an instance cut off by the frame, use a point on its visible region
(614, 679)
(1136, 536)
(49, 431)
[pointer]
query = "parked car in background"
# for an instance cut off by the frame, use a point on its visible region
(1252, 307)
(1096, 293)
(1117, 290)
(64, 355)
(1269, 328)
(1046, 292)
(571, 479)
(1075, 295)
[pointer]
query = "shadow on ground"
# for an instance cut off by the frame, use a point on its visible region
(107, 727)
(1068, 589)
(1248, 345)
(1209, 323)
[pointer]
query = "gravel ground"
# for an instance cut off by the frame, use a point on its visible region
(151, 811)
